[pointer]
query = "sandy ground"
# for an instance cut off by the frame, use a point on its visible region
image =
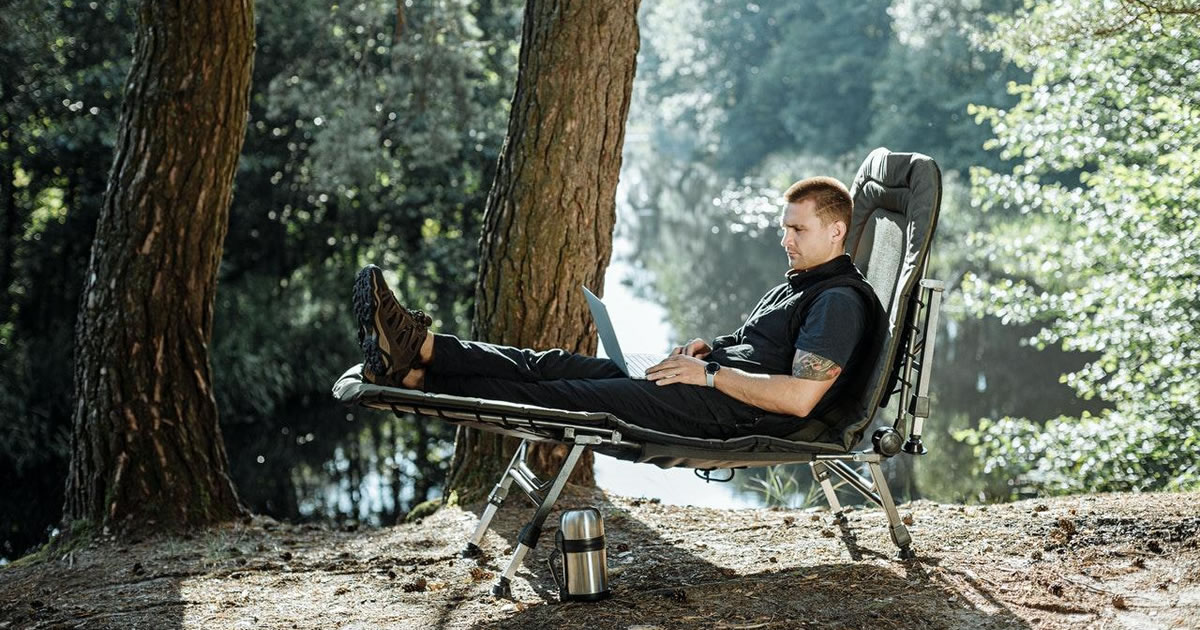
(1108, 561)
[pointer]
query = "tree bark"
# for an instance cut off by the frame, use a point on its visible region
(550, 213)
(147, 452)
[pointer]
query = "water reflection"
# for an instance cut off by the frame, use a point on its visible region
(367, 467)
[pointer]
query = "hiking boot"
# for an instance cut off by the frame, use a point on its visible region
(389, 334)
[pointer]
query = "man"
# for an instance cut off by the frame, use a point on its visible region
(798, 365)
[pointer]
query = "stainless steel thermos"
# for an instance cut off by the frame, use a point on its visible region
(580, 542)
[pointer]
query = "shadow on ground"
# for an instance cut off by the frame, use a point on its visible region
(750, 569)
(824, 596)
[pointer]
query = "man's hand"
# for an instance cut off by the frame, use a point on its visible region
(698, 348)
(678, 368)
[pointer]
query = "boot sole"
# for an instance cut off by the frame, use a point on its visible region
(376, 359)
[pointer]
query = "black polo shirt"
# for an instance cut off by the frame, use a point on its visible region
(822, 311)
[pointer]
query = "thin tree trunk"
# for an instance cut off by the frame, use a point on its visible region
(147, 451)
(550, 213)
(396, 478)
(423, 480)
(8, 198)
(8, 242)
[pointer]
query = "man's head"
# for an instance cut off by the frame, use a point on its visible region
(815, 221)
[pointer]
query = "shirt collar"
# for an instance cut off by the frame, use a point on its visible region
(802, 279)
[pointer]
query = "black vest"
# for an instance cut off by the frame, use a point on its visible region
(765, 344)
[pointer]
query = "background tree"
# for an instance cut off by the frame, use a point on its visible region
(1104, 254)
(931, 73)
(424, 151)
(365, 145)
(61, 71)
(550, 214)
(146, 445)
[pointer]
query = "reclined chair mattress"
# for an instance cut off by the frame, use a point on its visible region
(631, 443)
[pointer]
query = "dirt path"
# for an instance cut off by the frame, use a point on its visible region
(1112, 561)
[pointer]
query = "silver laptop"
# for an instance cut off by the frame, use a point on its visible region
(634, 365)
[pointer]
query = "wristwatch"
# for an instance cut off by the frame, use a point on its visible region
(710, 372)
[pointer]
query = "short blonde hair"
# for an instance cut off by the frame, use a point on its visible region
(832, 199)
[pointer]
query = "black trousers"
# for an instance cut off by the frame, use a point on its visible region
(575, 382)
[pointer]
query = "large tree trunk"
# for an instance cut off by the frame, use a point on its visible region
(550, 213)
(146, 448)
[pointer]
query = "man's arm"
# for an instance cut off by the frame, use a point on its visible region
(796, 395)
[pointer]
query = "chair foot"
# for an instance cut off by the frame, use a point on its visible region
(906, 553)
(472, 551)
(502, 589)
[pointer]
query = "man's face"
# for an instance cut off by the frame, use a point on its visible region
(806, 240)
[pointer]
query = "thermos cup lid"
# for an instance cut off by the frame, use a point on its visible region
(581, 523)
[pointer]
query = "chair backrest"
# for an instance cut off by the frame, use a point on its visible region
(897, 197)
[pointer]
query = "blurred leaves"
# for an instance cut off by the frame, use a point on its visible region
(1105, 252)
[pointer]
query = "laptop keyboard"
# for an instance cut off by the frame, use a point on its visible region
(638, 362)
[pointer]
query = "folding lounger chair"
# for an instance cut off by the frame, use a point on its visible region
(896, 202)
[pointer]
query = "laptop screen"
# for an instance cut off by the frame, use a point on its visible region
(608, 337)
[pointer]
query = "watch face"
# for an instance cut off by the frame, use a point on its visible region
(712, 367)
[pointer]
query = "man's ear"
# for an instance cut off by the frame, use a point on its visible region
(839, 231)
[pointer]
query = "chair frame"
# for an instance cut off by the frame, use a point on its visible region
(913, 365)
(904, 372)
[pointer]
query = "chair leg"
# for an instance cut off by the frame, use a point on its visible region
(528, 538)
(821, 473)
(895, 526)
(495, 500)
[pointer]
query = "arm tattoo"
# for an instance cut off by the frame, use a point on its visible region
(814, 367)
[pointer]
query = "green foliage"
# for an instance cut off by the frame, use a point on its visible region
(767, 76)
(364, 144)
(61, 70)
(1104, 253)
(1112, 451)
(731, 84)
(929, 77)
